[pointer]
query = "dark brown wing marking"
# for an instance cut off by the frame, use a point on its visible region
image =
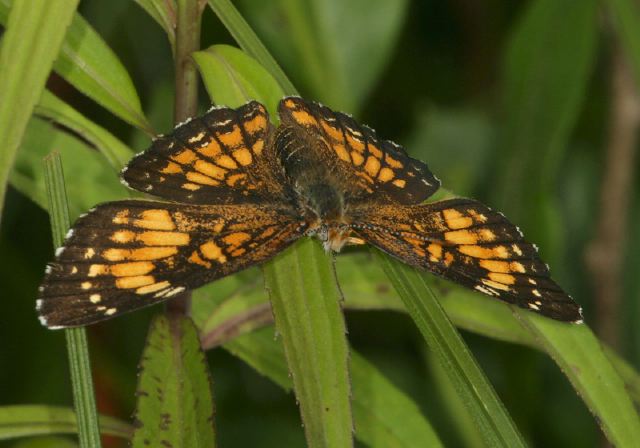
(130, 254)
(219, 158)
(381, 169)
(465, 241)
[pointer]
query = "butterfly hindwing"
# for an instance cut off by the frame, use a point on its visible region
(465, 241)
(130, 254)
(219, 158)
(381, 170)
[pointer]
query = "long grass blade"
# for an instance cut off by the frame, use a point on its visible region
(77, 346)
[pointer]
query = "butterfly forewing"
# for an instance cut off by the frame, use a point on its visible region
(465, 241)
(130, 254)
(219, 158)
(381, 170)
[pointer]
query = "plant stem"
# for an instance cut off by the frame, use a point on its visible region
(188, 15)
(77, 347)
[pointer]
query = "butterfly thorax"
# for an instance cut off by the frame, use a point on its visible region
(318, 194)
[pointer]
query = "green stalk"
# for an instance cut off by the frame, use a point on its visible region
(77, 347)
(188, 20)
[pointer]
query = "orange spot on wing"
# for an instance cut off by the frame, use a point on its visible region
(164, 238)
(195, 258)
(304, 118)
(372, 166)
(122, 236)
(185, 157)
(354, 143)
(190, 186)
(256, 124)
(393, 163)
(461, 237)
(171, 168)
(211, 149)
(495, 266)
(201, 179)
(226, 162)
(236, 239)
(210, 169)
(122, 217)
(233, 138)
(157, 219)
(212, 251)
(335, 134)
(131, 269)
(506, 279)
(134, 282)
(435, 250)
(231, 180)
(456, 220)
(385, 175)
(243, 156)
(341, 152)
(495, 285)
(400, 183)
(375, 151)
(357, 158)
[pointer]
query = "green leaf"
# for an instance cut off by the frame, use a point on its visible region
(89, 181)
(175, 403)
(485, 407)
(33, 35)
(626, 19)
(88, 64)
(306, 304)
(163, 12)
(33, 420)
(232, 77)
(77, 347)
(383, 415)
(116, 152)
(548, 63)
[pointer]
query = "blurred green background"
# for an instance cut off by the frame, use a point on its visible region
(523, 105)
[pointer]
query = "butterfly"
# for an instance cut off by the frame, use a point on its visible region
(236, 191)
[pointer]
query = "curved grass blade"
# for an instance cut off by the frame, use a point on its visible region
(114, 150)
(579, 354)
(164, 13)
(32, 420)
(486, 409)
(33, 35)
(249, 42)
(306, 305)
(175, 402)
(88, 64)
(77, 346)
(383, 415)
(89, 182)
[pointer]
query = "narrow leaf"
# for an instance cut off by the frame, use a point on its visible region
(115, 152)
(77, 346)
(89, 181)
(309, 319)
(164, 13)
(175, 403)
(34, 420)
(33, 35)
(88, 63)
(485, 407)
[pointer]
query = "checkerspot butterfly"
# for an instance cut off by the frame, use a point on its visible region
(241, 190)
